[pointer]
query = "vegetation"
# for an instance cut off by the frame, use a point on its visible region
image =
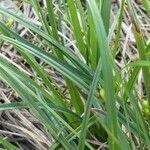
(103, 103)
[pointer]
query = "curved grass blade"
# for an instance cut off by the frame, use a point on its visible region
(75, 97)
(59, 65)
(14, 105)
(18, 84)
(30, 97)
(39, 70)
(107, 72)
(48, 38)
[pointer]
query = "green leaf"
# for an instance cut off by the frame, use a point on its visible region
(14, 105)
(77, 28)
(108, 79)
(48, 38)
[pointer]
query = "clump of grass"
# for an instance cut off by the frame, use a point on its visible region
(103, 104)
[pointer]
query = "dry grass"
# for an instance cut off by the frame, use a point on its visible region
(21, 126)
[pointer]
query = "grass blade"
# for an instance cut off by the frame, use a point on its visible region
(14, 105)
(108, 79)
(77, 28)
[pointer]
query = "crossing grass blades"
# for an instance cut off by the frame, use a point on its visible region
(103, 106)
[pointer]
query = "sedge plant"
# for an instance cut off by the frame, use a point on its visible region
(101, 102)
